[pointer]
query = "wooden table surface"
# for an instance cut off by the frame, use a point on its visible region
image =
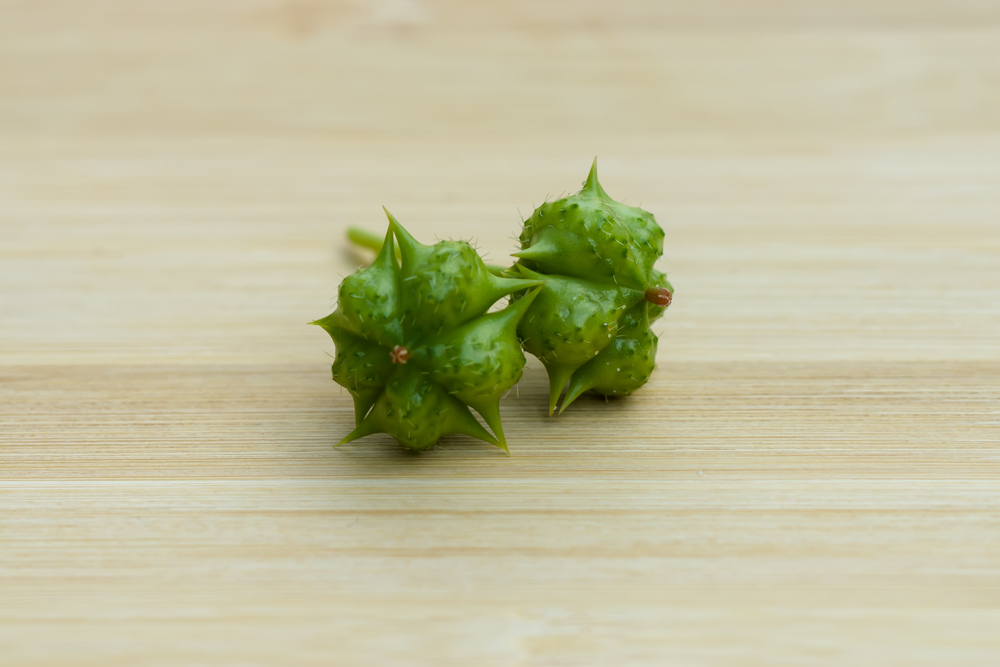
(812, 476)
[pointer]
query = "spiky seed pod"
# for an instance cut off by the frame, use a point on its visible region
(590, 324)
(415, 345)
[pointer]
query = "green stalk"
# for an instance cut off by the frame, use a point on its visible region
(360, 237)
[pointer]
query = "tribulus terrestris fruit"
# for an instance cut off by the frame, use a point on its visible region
(589, 326)
(416, 348)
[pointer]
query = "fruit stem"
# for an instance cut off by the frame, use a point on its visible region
(366, 239)
(360, 237)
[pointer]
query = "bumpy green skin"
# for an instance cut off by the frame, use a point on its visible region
(416, 347)
(590, 324)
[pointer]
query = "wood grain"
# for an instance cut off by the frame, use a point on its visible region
(811, 477)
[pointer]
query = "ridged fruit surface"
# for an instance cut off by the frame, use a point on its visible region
(416, 347)
(589, 326)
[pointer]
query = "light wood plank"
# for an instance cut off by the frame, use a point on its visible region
(811, 477)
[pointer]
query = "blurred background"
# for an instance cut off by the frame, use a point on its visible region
(810, 474)
(141, 140)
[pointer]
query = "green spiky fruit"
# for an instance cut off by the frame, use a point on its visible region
(416, 348)
(589, 326)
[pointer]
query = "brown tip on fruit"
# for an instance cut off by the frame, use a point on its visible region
(399, 355)
(659, 296)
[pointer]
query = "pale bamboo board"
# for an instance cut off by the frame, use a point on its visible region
(811, 477)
